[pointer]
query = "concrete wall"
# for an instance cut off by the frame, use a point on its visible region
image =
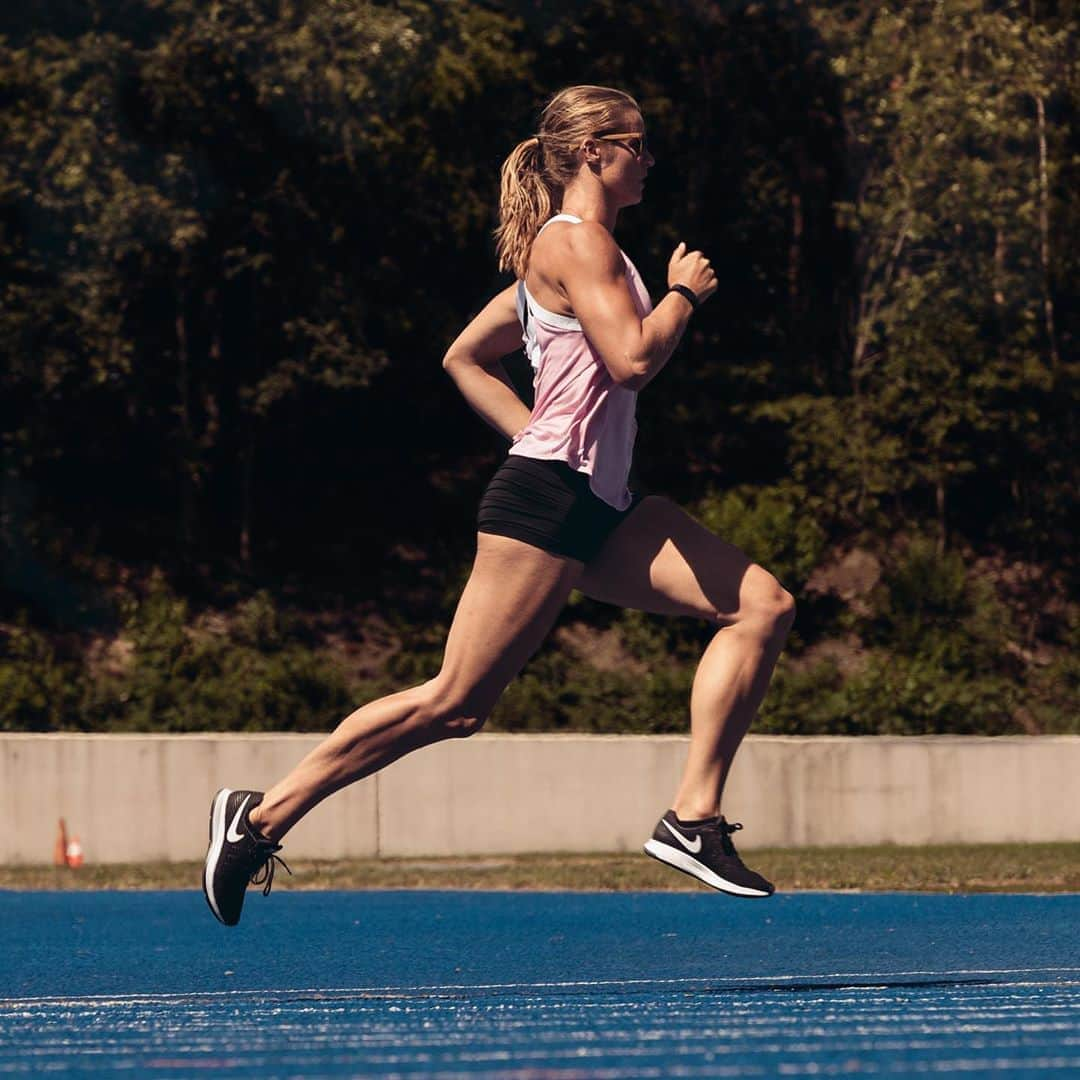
(133, 798)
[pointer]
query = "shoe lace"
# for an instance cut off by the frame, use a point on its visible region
(264, 870)
(726, 829)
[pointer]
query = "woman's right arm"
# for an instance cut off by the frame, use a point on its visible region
(473, 361)
(592, 272)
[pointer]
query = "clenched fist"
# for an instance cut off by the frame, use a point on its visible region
(692, 269)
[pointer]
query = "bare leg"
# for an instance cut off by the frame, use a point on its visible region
(662, 561)
(512, 598)
(730, 683)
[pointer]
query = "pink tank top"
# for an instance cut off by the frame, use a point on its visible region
(580, 415)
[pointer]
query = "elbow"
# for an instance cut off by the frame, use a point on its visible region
(632, 374)
(452, 360)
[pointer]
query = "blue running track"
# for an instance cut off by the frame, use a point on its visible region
(530, 985)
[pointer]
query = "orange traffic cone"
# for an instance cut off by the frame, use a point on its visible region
(60, 850)
(74, 853)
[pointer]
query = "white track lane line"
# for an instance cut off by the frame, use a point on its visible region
(404, 990)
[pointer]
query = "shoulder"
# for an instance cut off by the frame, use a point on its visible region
(587, 247)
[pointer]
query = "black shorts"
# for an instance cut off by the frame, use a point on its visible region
(549, 505)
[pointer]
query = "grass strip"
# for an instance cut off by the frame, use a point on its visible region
(952, 868)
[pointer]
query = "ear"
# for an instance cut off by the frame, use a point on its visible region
(590, 152)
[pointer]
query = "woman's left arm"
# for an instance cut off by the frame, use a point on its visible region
(473, 361)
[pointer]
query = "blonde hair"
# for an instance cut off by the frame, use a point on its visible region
(536, 172)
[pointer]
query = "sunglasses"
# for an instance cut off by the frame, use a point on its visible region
(634, 141)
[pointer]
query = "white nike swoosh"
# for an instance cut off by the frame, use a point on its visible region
(234, 837)
(694, 845)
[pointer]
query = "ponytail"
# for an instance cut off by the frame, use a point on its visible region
(525, 203)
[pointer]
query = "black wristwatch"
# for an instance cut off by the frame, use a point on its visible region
(682, 290)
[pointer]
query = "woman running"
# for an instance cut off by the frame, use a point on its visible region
(558, 514)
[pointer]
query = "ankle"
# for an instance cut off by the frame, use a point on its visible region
(258, 825)
(691, 811)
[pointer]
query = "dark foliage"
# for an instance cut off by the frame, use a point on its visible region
(236, 239)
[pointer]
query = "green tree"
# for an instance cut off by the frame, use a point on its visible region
(952, 332)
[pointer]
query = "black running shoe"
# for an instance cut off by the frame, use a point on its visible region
(704, 850)
(237, 855)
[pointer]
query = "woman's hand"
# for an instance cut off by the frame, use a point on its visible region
(692, 269)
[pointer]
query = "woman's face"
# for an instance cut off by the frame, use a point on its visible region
(626, 161)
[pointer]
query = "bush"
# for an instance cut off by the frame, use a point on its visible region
(896, 695)
(556, 693)
(38, 692)
(936, 662)
(1053, 691)
(926, 607)
(889, 695)
(251, 677)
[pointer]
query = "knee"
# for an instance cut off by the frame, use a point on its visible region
(446, 713)
(767, 602)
